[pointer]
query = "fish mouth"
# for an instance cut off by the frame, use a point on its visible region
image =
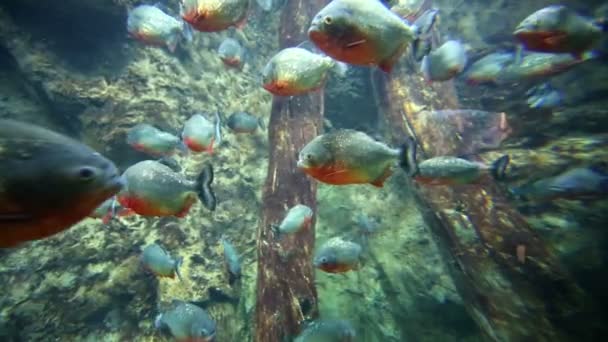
(117, 182)
(314, 31)
(301, 164)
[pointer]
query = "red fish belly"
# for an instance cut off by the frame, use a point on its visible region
(51, 225)
(547, 41)
(336, 176)
(233, 62)
(337, 268)
(142, 207)
(195, 146)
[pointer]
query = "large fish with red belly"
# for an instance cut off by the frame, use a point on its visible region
(361, 32)
(214, 15)
(153, 189)
(347, 156)
(559, 29)
(48, 182)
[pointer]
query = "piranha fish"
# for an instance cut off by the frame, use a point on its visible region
(151, 140)
(158, 261)
(558, 29)
(48, 182)
(231, 53)
(445, 62)
(578, 183)
(187, 322)
(541, 65)
(232, 261)
(424, 25)
(337, 255)
(108, 210)
(153, 189)
(295, 71)
(327, 330)
(215, 15)
(544, 96)
(488, 68)
(242, 122)
(152, 26)
(200, 134)
(298, 217)
(447, 170)
(346, 156)
(361, 32)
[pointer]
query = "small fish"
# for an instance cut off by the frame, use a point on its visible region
(296, 71)
(488, 68)
(536, 65)
(361, 32)
(446, 170)
(298, 217)
(187, 322)
(327, 330)
(242, 122)
(577, 183)
(158, 261)
(153, 189)
(231, 53)
(108, 210)
(232, 261)
(152, 26)
(346, 156)
(199, 134)
(151, 140)
(337, 255)
(544, 96)
(444, 63)
(558, 29)
(214, 15)
(425, 23)
(48, 182)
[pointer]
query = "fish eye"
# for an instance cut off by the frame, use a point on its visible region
(308, 156)
(204, 332)
(327, 20)
(323, 260)
(86, 173)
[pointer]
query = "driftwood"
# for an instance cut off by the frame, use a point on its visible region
(512, 282)
(286, 293)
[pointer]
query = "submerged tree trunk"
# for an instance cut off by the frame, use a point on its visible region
(510, 280)
(286, 293)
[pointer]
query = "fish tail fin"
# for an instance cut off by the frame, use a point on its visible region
(187, 32)
(178, 264)
(172, 42)
(341, 68)
(158, 321)
(425, 68)
(182, 148)
(407, 157)
(203, 186)
(276, 231)
(519, 54)
(593, 54)
(602, 23)
(261, 123)
(499, 166)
